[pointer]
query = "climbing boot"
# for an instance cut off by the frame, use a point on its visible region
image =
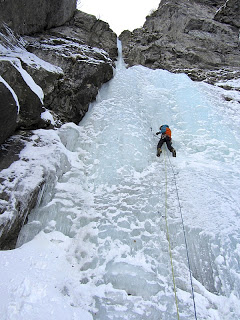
(173, 152)
(159, 151)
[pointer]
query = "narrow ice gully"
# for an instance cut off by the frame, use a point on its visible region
(96, 246)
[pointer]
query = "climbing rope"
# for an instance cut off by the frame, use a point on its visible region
(168, 237)
(184, 232)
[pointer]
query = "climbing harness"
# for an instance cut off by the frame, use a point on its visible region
(184, 233)
(168, 237)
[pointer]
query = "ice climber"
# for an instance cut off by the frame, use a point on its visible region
(165, 137)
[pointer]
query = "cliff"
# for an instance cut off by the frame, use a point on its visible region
(60, 69)
(31, 16)
(53, 61)
(200, 38)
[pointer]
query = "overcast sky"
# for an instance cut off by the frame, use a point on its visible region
(120, 14)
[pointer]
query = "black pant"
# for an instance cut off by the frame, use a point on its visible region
(168, 140)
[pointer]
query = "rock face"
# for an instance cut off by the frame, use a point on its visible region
(22, 186)
(77, 48)
(229, 13)
(187, 36)
(31, 105)
(31, 16)
(94, 32)
(57, 72)
(60, 69)
(9, 111)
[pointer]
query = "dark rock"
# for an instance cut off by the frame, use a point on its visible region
(8, 110)
(9, 234)
(30, 104)
(84, 71)
(10, 229)
(94, 32)
(184, 36)
(77, 49)
(210, 3)
(31, 16)
(10, 149)
(9, 153)
(47, 80)
(229, 13)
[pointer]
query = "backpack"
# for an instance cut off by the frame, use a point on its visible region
(165, 130)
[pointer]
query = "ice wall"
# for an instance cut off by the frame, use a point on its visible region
(113, 201)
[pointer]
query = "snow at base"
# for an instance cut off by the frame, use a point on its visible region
(96, 247)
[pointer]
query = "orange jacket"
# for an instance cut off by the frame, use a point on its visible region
(168, 132)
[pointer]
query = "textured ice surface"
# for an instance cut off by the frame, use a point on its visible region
(110, 206)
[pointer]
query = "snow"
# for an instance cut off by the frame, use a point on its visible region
(12, 48)
(46, 115)
(96, 246)
(28, 79)
(72, 48)
(233, 83)
(35, 282)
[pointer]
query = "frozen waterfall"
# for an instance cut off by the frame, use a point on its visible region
(98, 237)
